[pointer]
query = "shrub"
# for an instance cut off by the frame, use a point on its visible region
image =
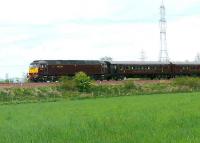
(6, 95)
(191, 82)
(67, 83)
(83, 82)
(18, 91)
(129, 85)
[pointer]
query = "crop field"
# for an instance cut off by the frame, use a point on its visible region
(133, 119)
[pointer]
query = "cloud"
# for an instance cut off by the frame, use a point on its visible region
(120, 41)
(183, 38)
(57, 11)
(14, 61)
(46, 11)
(182, 5)
(12, 39)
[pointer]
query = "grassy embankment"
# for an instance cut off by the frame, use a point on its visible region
(152, 119)
(70, 90)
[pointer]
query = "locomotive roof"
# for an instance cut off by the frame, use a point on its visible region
(56, 62)
(139, 63)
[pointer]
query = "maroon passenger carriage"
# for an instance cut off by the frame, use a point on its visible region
(121, 69)
(186, 68)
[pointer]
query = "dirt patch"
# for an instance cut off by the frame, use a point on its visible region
(26, 85)
(136, 81)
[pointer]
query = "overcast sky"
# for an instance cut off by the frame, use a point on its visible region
(91, 29)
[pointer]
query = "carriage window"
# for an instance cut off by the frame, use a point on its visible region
(128, 67)
(135, 67)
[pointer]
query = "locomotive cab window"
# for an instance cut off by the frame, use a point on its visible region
(33, 65)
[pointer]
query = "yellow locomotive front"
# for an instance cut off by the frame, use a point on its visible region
(33, 72)
(37, 71)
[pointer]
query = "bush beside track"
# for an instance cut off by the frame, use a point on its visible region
(82, 87)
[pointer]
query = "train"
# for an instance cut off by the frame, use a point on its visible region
(52, 70)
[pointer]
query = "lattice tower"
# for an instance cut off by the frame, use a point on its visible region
(163, 42)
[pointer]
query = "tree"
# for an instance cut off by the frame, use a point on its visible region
(106, 58)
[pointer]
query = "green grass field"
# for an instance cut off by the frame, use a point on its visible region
(151, 119)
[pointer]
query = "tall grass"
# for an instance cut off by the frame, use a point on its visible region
(18, 95)
(191, 82)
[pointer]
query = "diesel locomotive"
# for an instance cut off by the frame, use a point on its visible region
(52, 70)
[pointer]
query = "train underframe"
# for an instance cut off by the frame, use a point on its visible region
(55, 78)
